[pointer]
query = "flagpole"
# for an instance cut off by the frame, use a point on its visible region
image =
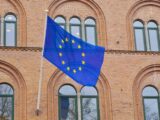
(41, 67)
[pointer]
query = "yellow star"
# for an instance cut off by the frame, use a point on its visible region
(68, 68)
(74, 71)
(63, 62)
(83, 62)
(73, 41)
(60, 54)
(83, 55)
(66, 39)
(60, 46)
(62, 41)
(79, 46)
(80, 68)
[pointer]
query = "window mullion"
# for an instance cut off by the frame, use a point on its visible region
(2, 32)
(83, 30)
(79, 106)
(144, 109)
(68, 26)
(12, 107)
(146, 38)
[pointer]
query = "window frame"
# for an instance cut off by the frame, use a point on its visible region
(15, 26)
(68, 96)
(9, 96)
(90, 96)
(90, 25)
(151, 97)
(144, 37)
(61, 24)
(75, 25)
(158, 38)
(97, 104)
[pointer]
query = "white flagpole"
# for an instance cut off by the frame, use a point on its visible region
(41, 67)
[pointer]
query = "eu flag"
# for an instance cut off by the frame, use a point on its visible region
(79, 60)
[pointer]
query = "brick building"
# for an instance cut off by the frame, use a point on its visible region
(128, 84)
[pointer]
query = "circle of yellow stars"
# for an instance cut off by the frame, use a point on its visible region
(83, 55)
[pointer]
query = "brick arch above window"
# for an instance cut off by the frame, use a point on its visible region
(82, 9)
(137, 11)
(10, 75)
(16, 7)
(148, 76)
(59, 79)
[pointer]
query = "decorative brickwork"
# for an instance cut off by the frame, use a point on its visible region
(58, 79)
(82, 9)
(125, 72)
(10, 75)
(145, 11)
(147, 76)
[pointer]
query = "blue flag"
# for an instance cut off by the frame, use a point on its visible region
(79, 60)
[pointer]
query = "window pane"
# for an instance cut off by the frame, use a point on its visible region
(60, 20)
(75, 30)
(5, 89)
(10, 18)
(6, 108)
(153, 37)
(67, 90)
(152, 25)
(75, 21)
(88, 91)
(68, 108)
(75, 27)
(89, 109)
(90, 22)
(138, 24)
(62, 26)
(10, 34)
(91, 35)
(150, 91)
(139, 38)
(6, 102)
(151, 109)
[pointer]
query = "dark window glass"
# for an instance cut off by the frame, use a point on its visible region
(61, 21)
(151, 103)
(90, 31)
(89, 103)
(139, 36)
(6, 102)
(90, 91)
(67, 103)
(75, 27)
(153, 36)
(10, 30)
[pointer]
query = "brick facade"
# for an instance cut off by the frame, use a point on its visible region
(124, 73)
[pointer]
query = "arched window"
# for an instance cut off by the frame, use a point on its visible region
(61, 21)
(139, 34)
(90, 31)
(153, 36)
(10, 30)
(6, 102)
(67, 103)
(89, 104)
(75, 27)
(151, 103)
